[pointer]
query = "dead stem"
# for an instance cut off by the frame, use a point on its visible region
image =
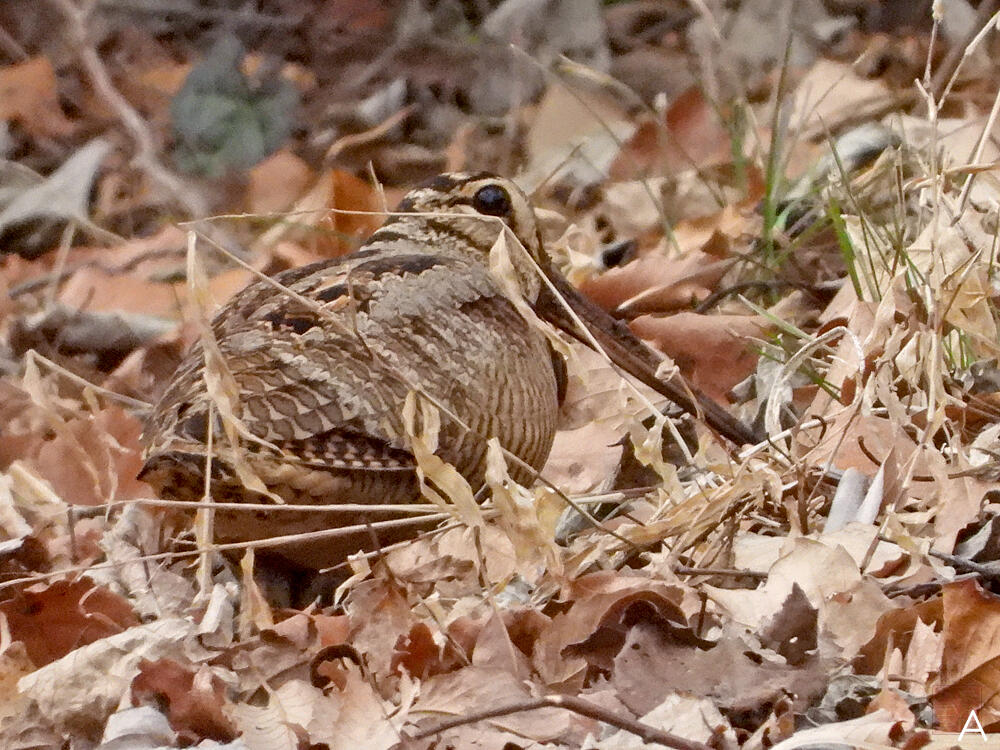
(578, 706)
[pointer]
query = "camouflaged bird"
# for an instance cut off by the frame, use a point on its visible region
(323, 369)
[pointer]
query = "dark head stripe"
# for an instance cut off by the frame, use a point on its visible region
(444, 183)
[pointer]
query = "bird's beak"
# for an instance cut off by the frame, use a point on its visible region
(631, 355)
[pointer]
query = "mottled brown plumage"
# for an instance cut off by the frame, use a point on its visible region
(323, 372)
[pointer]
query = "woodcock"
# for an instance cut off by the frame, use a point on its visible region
(323, 369)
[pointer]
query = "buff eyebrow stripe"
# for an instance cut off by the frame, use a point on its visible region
(443, 183)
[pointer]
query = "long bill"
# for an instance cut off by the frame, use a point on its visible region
(634, 357)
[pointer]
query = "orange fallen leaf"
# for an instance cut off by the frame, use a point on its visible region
(53, 619)
(95, 289)
(714, 351)
(29, 96)
(691, 134)
(969, 679)
(416, 652)
(277, 182)
(349, 230)
(94, 459)
(612, 288)
(194, 700)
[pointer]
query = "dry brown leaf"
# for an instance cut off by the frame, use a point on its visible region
(722, 233)
(652, 665)
(94, 289)
(969, 678)
(277, 182)
(922, 658)
(944, 254)
(380, 618)
(680, 295)
(160, 253)
(878, 729)
(693, 718)
(848, 619)
(472, 689)
(94, 459)
(451, 561)
(897, 627)
(617, 285)
(894, 704)
(599, 599)
(692, 134)
(575, 132)
(792, 631)
(715, 352)
(417, 653)
(832, 93)
(882, 560)
(147, 370)
(584, 459)
(25, 425)
(14, 664)
(848, 604)
(193, 699)
(354, 211)
(29, 96)
(297, 710)
(315, 629)
(165, 79)
(654, 283)
(524, 517)
(362, 717)
(76, 693)
(495, 649)
(54, 619)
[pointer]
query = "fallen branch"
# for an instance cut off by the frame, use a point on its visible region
(578, 706)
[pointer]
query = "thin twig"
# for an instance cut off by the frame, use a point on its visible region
(947, 73)
(244, 17)
(729, 572)
(355, 140)
(353, 509)
(578, 706)
(62, 255)
(766, 285)
(990, 571)
(274, 541)
(146, 157)
(33, 356)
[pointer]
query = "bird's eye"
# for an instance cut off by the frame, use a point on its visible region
(492, 200)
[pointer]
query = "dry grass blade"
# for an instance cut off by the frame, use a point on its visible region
(219, 382)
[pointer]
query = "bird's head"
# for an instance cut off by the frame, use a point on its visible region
(465, 210)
